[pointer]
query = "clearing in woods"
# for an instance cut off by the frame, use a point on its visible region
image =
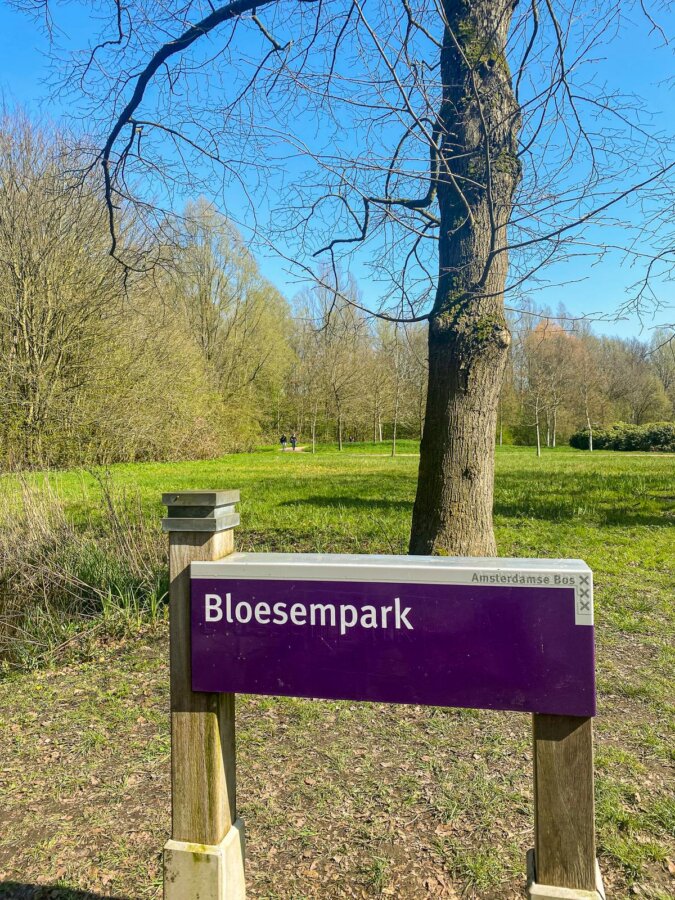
(343, 799)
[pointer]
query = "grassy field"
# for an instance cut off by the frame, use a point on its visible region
(340, 799)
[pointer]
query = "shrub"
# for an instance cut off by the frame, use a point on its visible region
(58, 581)
(661, 436)
(658, 436)
(523, 435)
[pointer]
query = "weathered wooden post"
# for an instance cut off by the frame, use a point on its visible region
(204, 860)
(563, 864)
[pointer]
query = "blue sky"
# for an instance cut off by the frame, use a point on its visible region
(637, 65)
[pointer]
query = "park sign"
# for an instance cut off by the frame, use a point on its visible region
(512, 634)
(509, 634)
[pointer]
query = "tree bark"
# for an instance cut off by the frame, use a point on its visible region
(397, 392)
(590, 430)
(478, 171)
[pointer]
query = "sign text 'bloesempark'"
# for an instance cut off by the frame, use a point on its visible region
(494, 633)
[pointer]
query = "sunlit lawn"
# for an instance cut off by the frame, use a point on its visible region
(361, 800)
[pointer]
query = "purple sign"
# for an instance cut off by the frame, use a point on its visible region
(490, 634)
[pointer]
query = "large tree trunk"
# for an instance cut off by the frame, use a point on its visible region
(453, 507)
(478, 170)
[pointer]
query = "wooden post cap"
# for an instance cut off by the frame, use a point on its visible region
(200, 498)
(206, 511)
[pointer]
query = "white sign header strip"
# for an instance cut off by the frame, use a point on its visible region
(497, 572)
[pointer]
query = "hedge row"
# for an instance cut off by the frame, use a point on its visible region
(654, 436)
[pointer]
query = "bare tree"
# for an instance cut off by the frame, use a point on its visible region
(338, 353)
(536, 387)
(662, 356)
(378, 381)
(238, 320)
(590, 384)
(57, 289)
(310, 385)
(550, 353)
(439, 142)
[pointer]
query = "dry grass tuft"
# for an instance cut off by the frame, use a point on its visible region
(60, 581)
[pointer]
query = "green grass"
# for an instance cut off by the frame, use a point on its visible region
(295, 492)
(614, 510)
(382, 799)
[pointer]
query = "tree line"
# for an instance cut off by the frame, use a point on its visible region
(369, 379)
(198, 354)
(562, 377)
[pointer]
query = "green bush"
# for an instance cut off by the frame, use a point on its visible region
(523, 435)
(661, 436)
(579, 439)
(658, 436)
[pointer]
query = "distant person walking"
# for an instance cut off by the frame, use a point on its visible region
(294, 441)
(283, 441)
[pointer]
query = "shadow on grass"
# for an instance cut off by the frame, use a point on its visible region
(558, 512)
(601, 499)
(335, 500)
(14, 890)
(532, 506)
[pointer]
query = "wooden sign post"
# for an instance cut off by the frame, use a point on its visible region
(564, 820)
(204, 860)
(510, 634)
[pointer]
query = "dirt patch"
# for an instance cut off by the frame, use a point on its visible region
(339, 799)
